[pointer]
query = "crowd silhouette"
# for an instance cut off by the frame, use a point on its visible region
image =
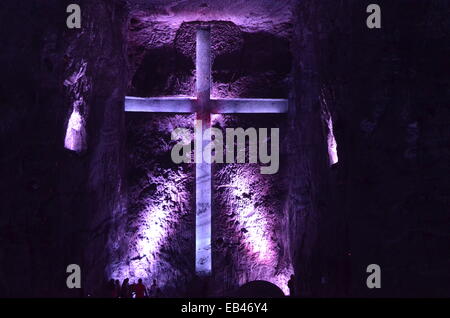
(138, 290)
(134, 290)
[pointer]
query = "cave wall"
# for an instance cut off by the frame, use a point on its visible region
(58, 205)
(249, 223)
(155, 239)
(69, 180)
(397, 160)
(308, 205)
(248, 242)
(385, 90)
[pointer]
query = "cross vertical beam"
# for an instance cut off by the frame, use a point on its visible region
(203, 166)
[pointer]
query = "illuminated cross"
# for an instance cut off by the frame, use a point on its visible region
(203, 105)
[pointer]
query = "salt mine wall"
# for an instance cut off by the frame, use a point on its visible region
(249, 241)
(363, 174)
(61, 174)
(156, 238)
(393, 136)
(308, 203)
(384, 201)
(249, 237)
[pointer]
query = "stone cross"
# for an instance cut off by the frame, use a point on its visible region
(203, 105)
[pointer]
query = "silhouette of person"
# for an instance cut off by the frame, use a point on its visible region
(140, 289)
(117, 289)
(125, 290)
(153, 289)
(291, 285)
(111, 289)
(158, 293)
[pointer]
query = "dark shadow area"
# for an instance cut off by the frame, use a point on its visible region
(259, 69)
(259, 289)
(162, 72)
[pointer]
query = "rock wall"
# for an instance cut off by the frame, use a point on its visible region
(313, 221)
(393, 139)
(385, 90)
(249, 241)
(156, 238)
(58, 205)
(249, 223)
(76, 186)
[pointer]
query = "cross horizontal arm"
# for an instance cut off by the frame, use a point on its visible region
(249, 106)
(160, 104)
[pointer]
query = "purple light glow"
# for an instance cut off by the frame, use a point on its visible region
(246, 14)
(146, 243)
(327, 118)
(253, 220)
(261, 258)
(77, 86)
(149, 243)
(259, 226)
(75, 139)
(258, 223)
(332, 144)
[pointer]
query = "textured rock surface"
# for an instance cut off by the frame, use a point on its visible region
(58, 206)
(251, 16)
(104, 207)
(395, 200)
(247, 61)
(385, 91)
(156, 239)
(249, 242)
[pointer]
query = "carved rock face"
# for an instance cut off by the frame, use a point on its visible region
(248, 238)
(226, 38)
(386, 201)
(245, 64)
